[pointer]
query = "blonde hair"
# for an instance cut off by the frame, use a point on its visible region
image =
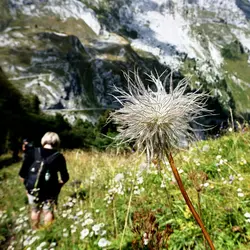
(51, 138)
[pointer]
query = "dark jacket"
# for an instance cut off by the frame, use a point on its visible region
(58, 165)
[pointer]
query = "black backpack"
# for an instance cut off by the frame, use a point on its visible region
(39, 178)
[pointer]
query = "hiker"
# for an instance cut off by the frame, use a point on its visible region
(26, 147)
(39, 173)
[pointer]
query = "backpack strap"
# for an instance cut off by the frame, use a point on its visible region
(52, 157)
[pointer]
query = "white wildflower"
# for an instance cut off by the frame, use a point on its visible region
(64, 215)
(43, 244)
(19, 221)
(25, 224)
(96, 228)
(18, 228)
(247, 215)
(69, 211)
(84, 233)
(140, 180)
(145, 241)
(241, 179)
(79, 213)
(163, 184)
(26, 218)
(221, 162)
(26, 242)
(103, 242)
(66, 235)
(103, 232)
(205, 148)
(240, 194)
(88, 222)
(119, 177)
(137, 191)
(239, 190)
(181, 171)
(52, 244)
(218, 157)
(206, 184)
(92, 177)
(70, 204)
(197, 162)
(33, 239)
(87, 215)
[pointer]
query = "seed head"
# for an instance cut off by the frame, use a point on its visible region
(154, 119)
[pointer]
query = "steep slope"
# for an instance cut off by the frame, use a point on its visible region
(71, 52)
(189, 35)
(55, 49)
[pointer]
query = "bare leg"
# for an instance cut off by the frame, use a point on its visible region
(48, 217)
(35, 219)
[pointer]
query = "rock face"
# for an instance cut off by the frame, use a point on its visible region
(71, 53)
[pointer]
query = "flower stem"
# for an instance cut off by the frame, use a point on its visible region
(188, 201)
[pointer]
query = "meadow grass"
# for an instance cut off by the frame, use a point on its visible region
(116, 202)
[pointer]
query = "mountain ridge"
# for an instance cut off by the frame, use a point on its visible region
(76, 50)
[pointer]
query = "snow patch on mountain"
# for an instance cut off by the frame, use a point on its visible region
(215, 54)
(165, 34)
(242, 37)
(6, 40)
(165, 29)
(224, 9)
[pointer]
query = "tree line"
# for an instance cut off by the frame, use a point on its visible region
(22, 118)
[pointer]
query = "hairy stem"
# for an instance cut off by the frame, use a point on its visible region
(188, 201)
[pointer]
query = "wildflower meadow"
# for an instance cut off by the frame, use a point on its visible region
(117, 201)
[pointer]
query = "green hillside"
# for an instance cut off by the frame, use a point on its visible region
(112, 202)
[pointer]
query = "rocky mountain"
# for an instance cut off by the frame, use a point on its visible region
(72, 52)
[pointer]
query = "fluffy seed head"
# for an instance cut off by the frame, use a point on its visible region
(154, 119)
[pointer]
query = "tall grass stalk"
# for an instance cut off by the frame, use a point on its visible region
(127, 214)
(114, 218)
(200, 213)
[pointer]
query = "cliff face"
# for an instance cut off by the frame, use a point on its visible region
(71, 53)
